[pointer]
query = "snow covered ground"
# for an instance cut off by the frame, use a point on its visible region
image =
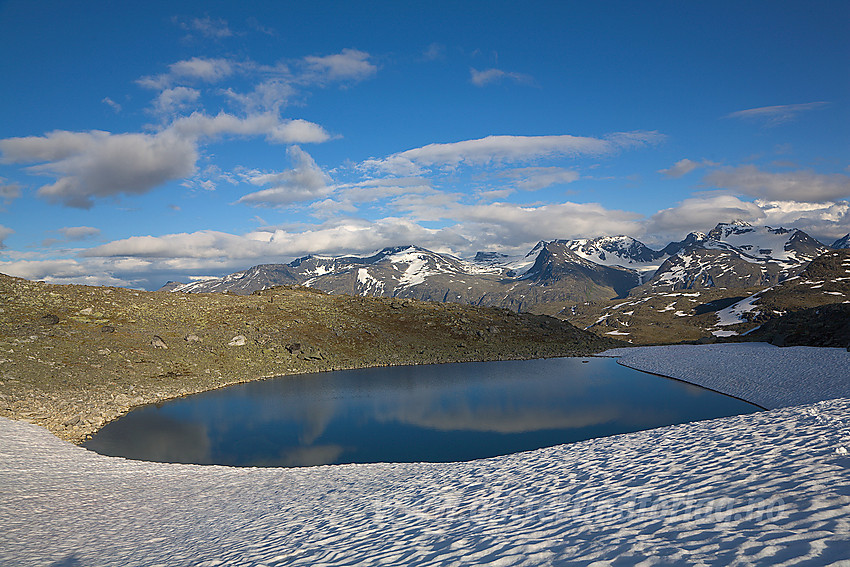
(760, 373)
(770, 488)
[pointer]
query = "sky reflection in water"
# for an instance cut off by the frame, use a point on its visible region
(439, 413)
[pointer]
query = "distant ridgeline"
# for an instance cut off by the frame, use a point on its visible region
(554, 277)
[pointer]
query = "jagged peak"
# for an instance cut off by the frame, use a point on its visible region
(843, 242)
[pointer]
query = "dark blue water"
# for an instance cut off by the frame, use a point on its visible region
(438, 413)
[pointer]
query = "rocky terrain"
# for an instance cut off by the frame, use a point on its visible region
(75, 357)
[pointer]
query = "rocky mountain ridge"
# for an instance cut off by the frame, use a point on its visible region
(553, 277)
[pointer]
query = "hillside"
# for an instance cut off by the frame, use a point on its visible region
(651, 316)
(74, 357)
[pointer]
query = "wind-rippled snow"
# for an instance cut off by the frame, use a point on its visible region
(768, 488)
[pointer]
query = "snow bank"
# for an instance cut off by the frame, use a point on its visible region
(760, 373)
(767, 488)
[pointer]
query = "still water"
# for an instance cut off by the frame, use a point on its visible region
(435, 413)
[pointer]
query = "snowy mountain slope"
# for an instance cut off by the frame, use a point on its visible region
(825, 281)
(736, 254)
(651, 315)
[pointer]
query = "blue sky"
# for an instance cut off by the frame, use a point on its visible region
(147, 141)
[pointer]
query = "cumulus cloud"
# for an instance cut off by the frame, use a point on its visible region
(685, 166)
(804, 185)
(348, 65)
(196, 69)
(5, 232)
(774, 115)
(170, 101)
(96, 164)
(352, 235)
(99, 164)
(490, 76)
(267, 96)
(701, 213)
(515, 227)
(198, 125)
(499, 150)
(298, 131)
(304, 182)
(824, 221)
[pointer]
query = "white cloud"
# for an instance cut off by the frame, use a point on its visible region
(804, 185)
(268, 96)
(78, 232)
(9, 191)
(170, 101)
(773, 115)
(196, 69)
(701, 213)
(534, 178)
(516, 227)
(193, 251)
(208, 27)
(685, 166)
(304, 182)
(111, 103)
(330, 208)
(490, 76)
(373, 190)
(99, 164)
(198, 125)
(348, 65)
(824, 221)
(5, 232)
(298, 132)
(499, 150)
(434, 52)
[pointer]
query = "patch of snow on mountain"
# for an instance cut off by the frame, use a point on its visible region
(734, 314)
(518, 266)
(724, 333)
(368, 283)
(417, 267)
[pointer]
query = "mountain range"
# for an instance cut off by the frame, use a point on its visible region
(733, 254)
(611, 285)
